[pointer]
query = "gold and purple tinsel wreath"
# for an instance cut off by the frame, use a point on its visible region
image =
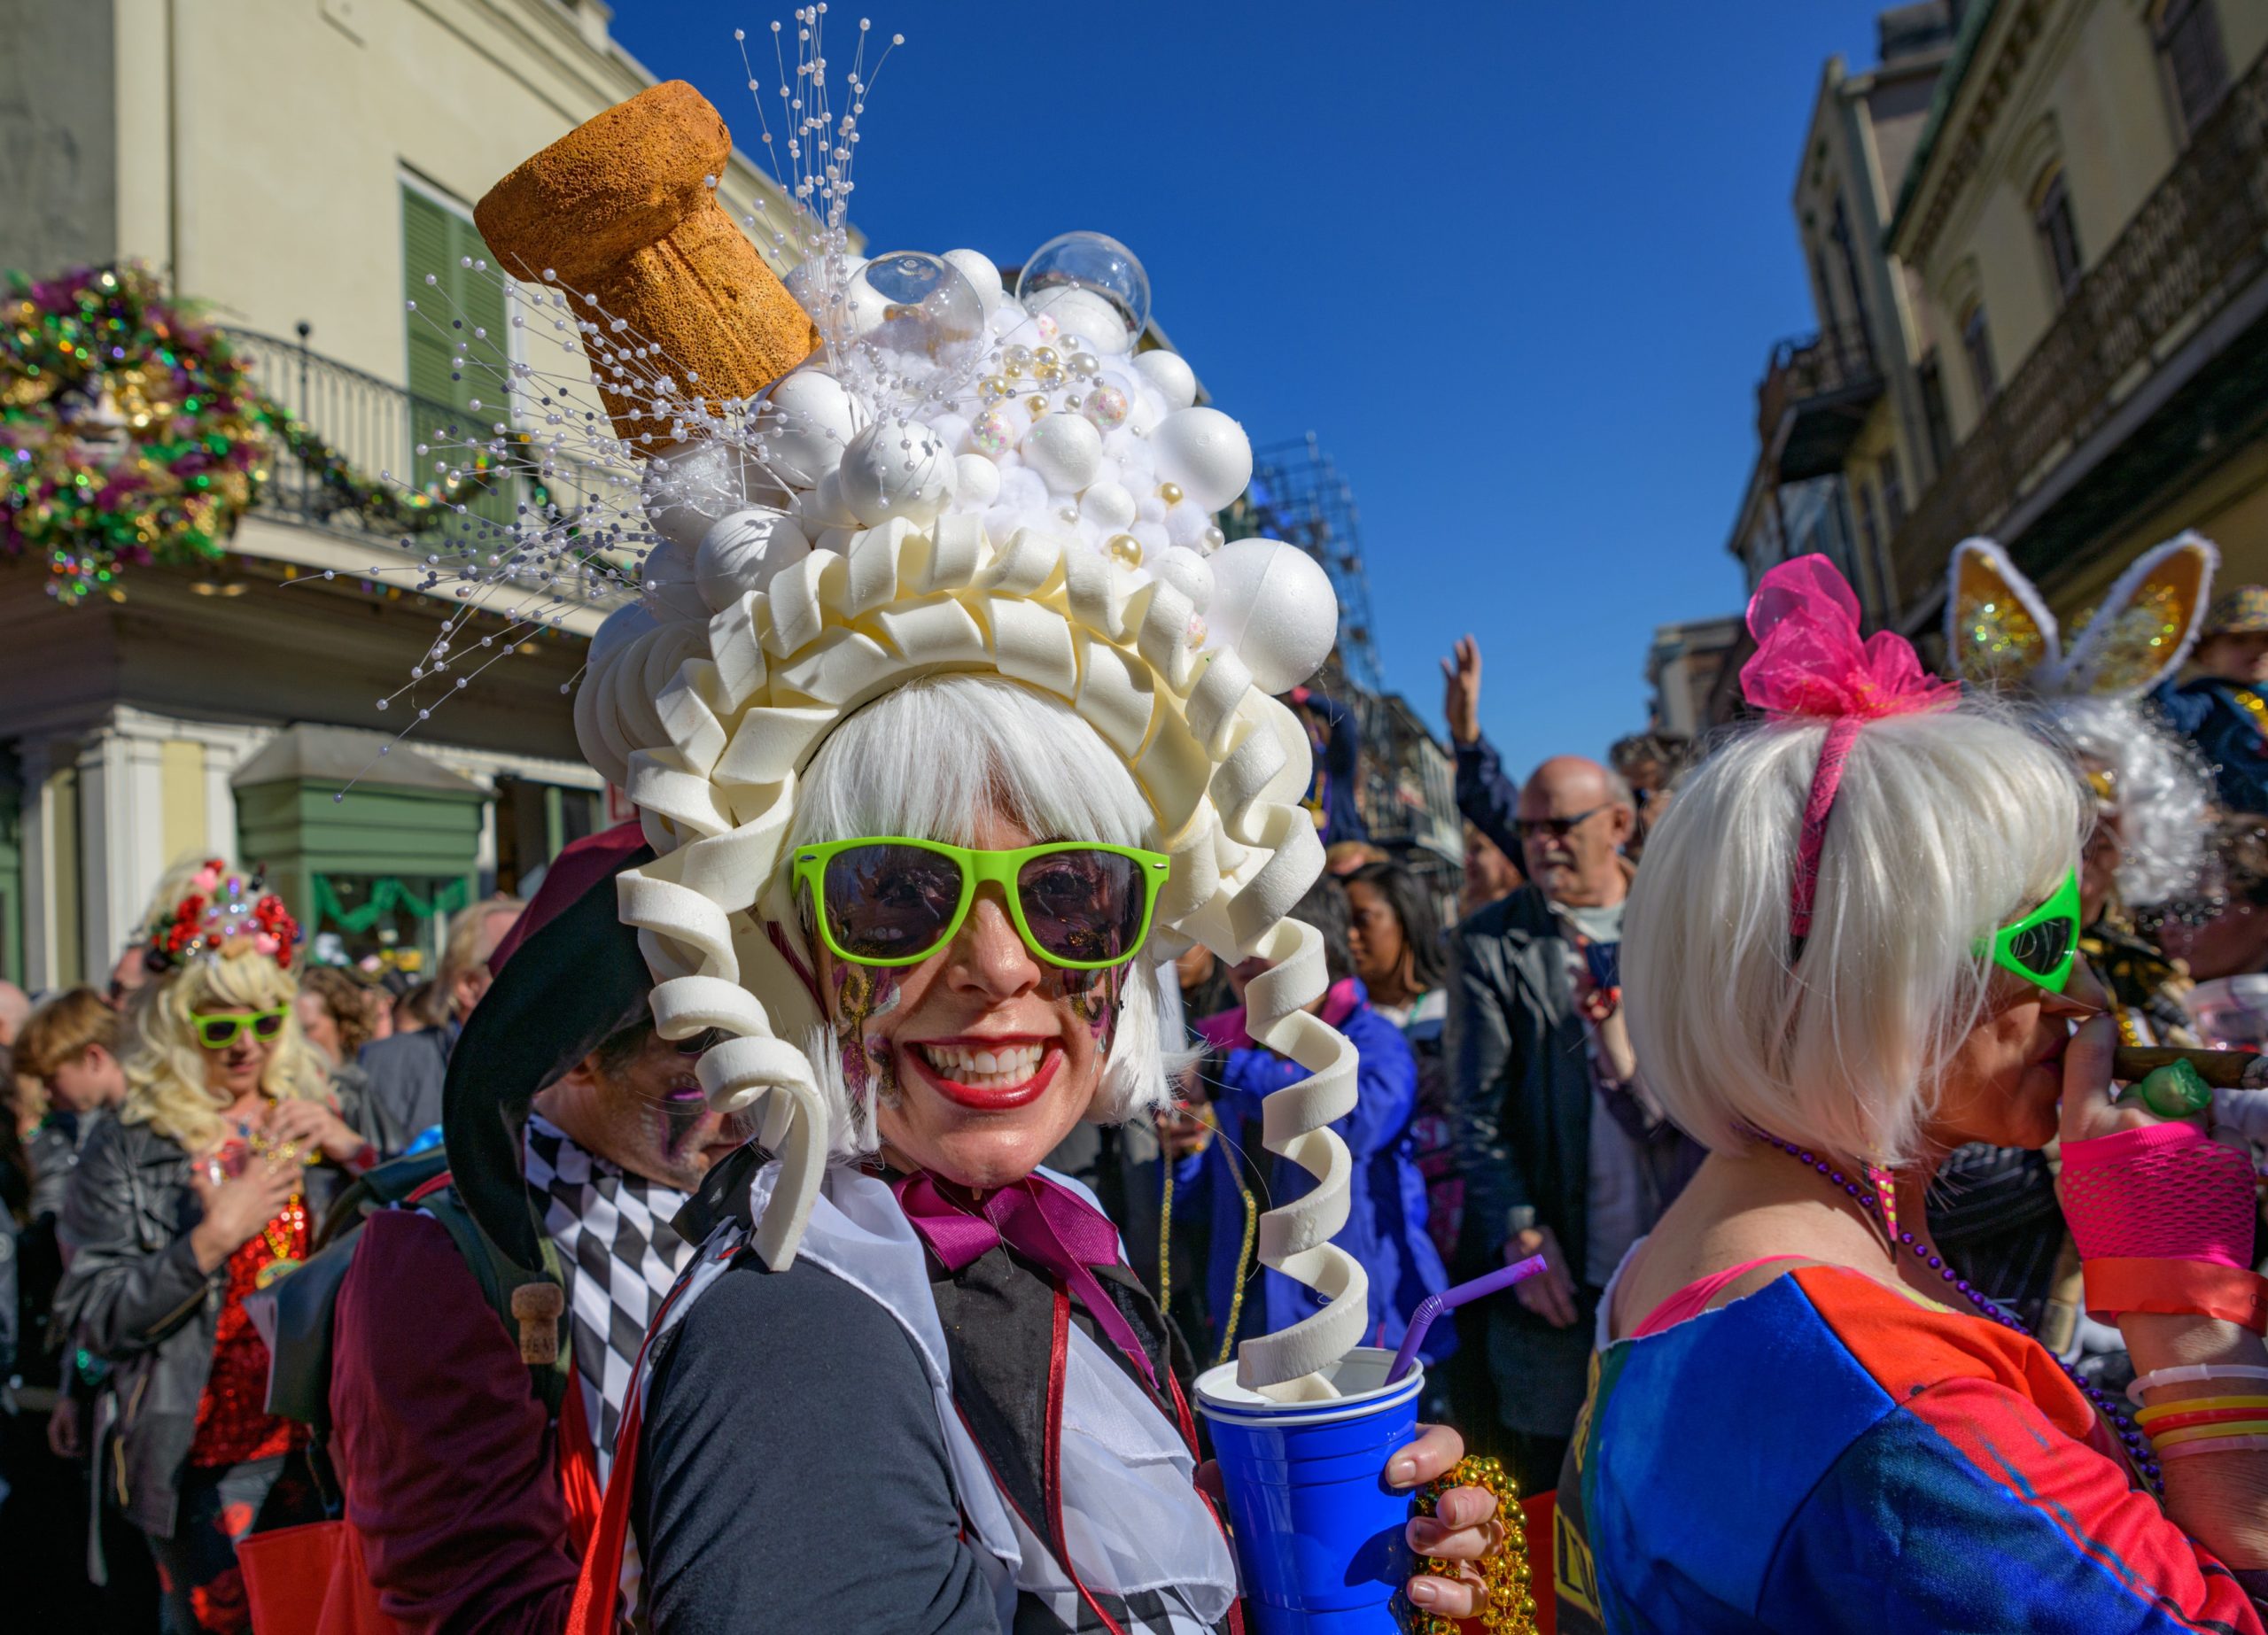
(129, 427)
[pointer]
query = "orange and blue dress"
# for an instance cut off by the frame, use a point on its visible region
(1829, 1455)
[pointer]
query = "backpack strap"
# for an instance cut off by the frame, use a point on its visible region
(531, 1304)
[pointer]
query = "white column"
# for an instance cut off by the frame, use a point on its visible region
(221, 763)
(42, 889)
(122, 840)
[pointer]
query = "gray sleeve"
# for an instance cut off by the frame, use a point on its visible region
(792, 1474)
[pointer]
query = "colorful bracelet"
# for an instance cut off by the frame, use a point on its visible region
(2217, 1417)
(2196, 1405)
(2203, 1433)
(2216, 1444)
(2190, 1372)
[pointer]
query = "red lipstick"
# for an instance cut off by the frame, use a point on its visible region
(1005, 1100)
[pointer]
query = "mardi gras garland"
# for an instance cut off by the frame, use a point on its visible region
(131, 434)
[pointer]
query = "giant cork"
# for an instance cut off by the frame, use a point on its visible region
(624, 207)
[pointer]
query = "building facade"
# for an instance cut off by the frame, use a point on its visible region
(2037, 236)
(300, 169)
(2085, 224)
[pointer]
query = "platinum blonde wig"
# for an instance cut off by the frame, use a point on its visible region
(929, 760)
(1947, 827)
(2162, 793)
(165, 1065)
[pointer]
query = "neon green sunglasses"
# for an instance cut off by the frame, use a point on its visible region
(887, 900)
(2044, 946)
(218, 1030)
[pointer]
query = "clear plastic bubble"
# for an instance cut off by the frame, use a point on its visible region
(919, 321)
(1100, 267)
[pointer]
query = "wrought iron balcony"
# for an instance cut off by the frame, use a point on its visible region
(1813, 399)
(2198, 243)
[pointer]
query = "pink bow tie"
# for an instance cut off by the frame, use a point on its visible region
(1042, 1223)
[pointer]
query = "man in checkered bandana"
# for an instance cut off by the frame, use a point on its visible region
(575, 1134)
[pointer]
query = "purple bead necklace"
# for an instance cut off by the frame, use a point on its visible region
(2138, 1445)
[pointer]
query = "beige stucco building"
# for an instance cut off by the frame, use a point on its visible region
(2037, 241)
(299, 167)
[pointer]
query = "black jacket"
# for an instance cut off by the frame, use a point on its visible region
(135, 1296)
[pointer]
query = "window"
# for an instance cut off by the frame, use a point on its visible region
(1935, 421)
(2196, 63)
(2059, 235)
(1893, 492)
(1977, 341)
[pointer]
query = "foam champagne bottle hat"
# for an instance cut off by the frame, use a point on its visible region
(624, 207)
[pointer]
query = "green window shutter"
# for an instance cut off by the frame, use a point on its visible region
(427, 238)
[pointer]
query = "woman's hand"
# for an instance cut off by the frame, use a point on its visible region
(1463, 1528)
(2090, 1106)
(236, 1209)
(313, 1128)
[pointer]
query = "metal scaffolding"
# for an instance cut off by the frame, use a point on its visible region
(1299, 496)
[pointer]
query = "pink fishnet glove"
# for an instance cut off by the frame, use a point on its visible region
(2161, 1192)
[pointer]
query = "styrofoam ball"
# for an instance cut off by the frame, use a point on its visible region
(687, 488)
(1188, 572)
(1107, 506)
(1022, 489)
(1204, 452)
(824, 506)
(803, 426)
(1064, 449)
(1144, 410)
(976, 481)
(666, 579)
(883, 478)
(1170, 376)
(1085, 314)
(982, 273)
(743, 553)
(619, 629)
(1274, 607)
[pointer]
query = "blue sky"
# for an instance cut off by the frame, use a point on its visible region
(1516, 264)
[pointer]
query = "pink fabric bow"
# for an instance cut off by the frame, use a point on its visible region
(1810, 662)
(1041, 1221)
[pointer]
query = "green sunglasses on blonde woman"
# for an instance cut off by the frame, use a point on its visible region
(2043, 946)
(218, 1030)
(887, 900)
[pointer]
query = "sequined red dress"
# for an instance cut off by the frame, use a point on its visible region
(233, 1424)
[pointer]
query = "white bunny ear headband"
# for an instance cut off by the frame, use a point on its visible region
(925, 473)
(1999, 631)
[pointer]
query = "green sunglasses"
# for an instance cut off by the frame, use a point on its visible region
(890, 901)
(2043, 946)
(219, 1031)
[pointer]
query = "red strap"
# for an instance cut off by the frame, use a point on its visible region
(578, 1469)
(599, 1588)
(427, 1189)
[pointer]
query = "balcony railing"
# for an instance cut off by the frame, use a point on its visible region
(1813, 399)
(376, 428)
(2198, 240)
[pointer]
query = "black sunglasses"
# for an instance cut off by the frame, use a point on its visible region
(1559, 828)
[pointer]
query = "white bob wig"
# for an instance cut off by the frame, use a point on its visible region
(2162, 793)
(1945, 827)
(928, 761)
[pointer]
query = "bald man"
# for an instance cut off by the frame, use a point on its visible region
(1562, 1151)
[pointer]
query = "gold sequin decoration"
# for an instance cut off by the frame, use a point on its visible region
(2142, 636)
(1996, 640)
(1509, 1608)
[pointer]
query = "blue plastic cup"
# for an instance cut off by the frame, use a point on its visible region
(1319, 1535)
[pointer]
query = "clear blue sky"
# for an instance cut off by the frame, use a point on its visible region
(1516, 264)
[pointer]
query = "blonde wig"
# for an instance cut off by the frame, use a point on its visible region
(166, 1065)
(1946, 826)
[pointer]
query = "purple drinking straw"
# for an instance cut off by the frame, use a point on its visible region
(1434, 1305)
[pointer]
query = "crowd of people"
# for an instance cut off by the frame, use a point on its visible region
(996, 1052)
